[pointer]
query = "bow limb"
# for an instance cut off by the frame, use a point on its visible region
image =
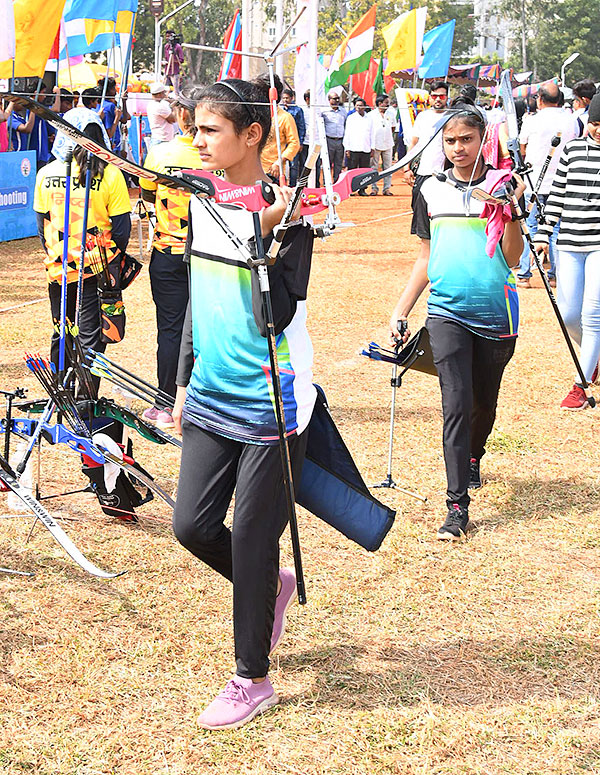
(59, 434)
(9, 479)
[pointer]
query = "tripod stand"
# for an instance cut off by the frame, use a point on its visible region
(396, 382)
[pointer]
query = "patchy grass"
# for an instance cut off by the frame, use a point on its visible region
(421, 659)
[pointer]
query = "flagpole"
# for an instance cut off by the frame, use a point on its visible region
(12, 88)
(106, 77)
(126, 66)
(313, 7)
(246, 37)
(68, 65)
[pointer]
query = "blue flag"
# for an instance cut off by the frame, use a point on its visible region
(437, 46)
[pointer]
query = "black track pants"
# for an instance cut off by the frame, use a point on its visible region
(212, 467)
(470, 370)
(170, 291)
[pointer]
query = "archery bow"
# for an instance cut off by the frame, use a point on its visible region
(206, 184)
(9, 479)
(80, 437)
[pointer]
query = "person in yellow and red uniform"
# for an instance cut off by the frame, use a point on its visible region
(168, 273)
(108, 215)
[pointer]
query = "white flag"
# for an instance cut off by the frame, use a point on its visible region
(7, 30)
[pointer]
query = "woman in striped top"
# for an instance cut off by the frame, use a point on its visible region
(575, 200)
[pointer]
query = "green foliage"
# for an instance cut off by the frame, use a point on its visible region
(553, 32)
(205, 25)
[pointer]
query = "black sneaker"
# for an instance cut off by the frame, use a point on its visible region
(455, 526)
(474, 475)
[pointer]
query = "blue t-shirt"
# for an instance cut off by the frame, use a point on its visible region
(108, 120)
(467, 286)
(19, 139)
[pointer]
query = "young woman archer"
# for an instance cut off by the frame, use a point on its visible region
(472, 307)
(224, 397)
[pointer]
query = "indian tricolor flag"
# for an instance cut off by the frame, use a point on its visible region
(354, 54)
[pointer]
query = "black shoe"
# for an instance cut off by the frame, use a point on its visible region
(474, 475)
(387, 193)
(362, 192)
(374, 193)
(455, 526)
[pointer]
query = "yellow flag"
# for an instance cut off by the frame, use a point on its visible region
(36, 25)
(404, 38)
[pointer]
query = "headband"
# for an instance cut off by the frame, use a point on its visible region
(184, 102)
(240, 97)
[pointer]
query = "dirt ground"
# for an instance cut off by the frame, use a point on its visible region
(420, 659)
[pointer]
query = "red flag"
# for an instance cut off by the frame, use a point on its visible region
(362, 83)
(232, 63)
(54, 51)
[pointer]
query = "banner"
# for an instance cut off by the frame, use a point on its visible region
(231, 66)
(7, 30)
(89, 26)
(36, 23)
(404, 38)
(17, 185)
(437, 47)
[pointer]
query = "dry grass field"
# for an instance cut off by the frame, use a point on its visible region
(480, 658)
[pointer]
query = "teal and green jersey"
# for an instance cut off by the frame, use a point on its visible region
(230, 390)
(468, 286)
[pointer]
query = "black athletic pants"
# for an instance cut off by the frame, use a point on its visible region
(90, 324)
(358, 159)
(470, 370)
(170, 291)
(211, 468)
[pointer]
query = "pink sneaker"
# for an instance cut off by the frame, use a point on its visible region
(285, 598)
(151, 414)
(164, 419)
(239, 702)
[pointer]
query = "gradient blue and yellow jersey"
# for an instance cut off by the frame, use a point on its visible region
(467, 286)
(230, 391)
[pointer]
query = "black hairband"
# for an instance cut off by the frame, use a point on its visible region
(240, 96)
(470, 110)
(184, 102)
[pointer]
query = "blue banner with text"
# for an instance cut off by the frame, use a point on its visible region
(17, 185)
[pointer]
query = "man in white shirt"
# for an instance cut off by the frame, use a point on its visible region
(160, 115)
(382, 141)
(357, 138)
(432, 158)
(536, 140)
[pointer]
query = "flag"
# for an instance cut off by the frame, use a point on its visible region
(378, 86)
(91, 26)
(36, 23)
(354, 53)
(403, 38)
(363, 84)
(231, 66)
(303, 76)
(437, 46)
(7, 30)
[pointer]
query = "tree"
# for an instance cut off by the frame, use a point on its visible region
(204, 25)
(546, 32)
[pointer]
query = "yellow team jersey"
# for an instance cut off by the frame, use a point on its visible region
(109, 197)
(171, 205)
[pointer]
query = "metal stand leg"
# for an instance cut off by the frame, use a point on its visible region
(388, 482)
